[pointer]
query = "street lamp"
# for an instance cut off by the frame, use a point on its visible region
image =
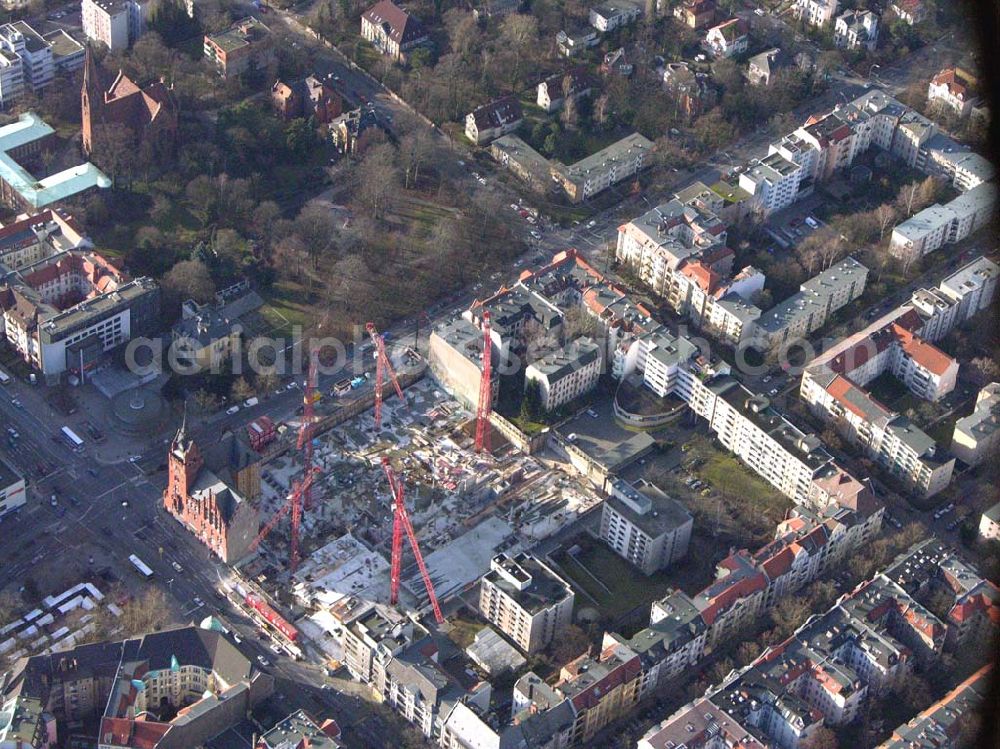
(872, 69)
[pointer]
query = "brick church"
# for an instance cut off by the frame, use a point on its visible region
(209, 500)
(149, 112)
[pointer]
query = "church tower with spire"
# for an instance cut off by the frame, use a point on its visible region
(91, 100)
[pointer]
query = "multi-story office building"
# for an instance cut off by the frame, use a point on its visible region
(64, 312)
(645, 526)
(566, 374)
(524, 599)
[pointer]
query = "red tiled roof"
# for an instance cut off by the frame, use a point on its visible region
(707, 279)
(732, 593)
(927, 355)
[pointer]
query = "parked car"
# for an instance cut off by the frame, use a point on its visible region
(232, 410)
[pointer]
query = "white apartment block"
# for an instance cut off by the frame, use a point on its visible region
(808, 310)
(30, 60)
(762, 438)
(938, 225)
(566, 374)
(114, 23)
(977, 435)
(525, 600)
(972, 287)
(609, 16)
(644, 526)
(773, 182)
(816, 12)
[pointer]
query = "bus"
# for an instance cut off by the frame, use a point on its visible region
(71, 439)
(4, 378)
(140, 565)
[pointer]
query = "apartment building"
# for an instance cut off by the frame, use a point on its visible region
(989, 524)
(824, 674)
(644, 526)
(747, 425)
(942, 724)
(114, 23)
(490, 121)
(566, 374)
(816, 12)
(39, 236)
(392, 30)
(415, 685)
(607, 167)
(455, 359)
(729, 38)
(773, 182)
(856, 29)
(609, 16)
(807, 311)
(554, 90)
(938, 225)
(832, 386)
(301, 729)
(955, 89)
(13, 489)
(247, 45)
(977, 435)
(523, 161)
(197, 679)
(524, 599)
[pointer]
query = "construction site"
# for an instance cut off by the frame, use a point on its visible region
(335, 510)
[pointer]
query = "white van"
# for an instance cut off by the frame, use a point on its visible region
(251, 402)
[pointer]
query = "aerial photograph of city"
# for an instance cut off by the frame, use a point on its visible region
(499, 374)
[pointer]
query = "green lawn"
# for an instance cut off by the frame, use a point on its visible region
(463, 631)
(619, 588)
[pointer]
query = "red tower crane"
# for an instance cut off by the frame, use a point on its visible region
(304, 443)
(401, 523)
(294, 504)
(382, 366)
(485, 391)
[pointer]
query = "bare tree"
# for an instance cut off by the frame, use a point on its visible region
(415, 148)
(521, 33)
(885, 214)
(379, 177)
